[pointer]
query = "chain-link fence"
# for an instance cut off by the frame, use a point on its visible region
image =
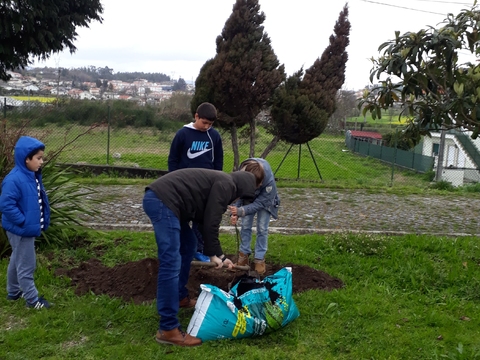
(123, 134)
(406, 159)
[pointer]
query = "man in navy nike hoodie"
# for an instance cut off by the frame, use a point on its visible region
(198, 145)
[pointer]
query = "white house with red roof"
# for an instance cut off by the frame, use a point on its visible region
(368, 136)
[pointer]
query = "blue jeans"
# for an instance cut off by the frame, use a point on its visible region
(21, 267)
(176, 244)
(261, 244)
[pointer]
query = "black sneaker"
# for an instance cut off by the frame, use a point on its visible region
(39, 304)
(15, 297)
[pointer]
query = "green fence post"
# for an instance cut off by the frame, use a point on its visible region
(394, 156)
(299, 159)
(108, 135)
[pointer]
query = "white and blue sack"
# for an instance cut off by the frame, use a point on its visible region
(251, 308)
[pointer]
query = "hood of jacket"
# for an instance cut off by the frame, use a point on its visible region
(24, 146)
(245, 183)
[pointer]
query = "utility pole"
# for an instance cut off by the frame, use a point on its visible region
(58, 85)
(441, 151)
(57, 63)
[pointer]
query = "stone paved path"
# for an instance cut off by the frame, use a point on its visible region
(322, 211)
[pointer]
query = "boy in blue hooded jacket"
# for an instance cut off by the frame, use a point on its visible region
(265, 205)
(25, 214)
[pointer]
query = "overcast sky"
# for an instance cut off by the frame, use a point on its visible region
(177, 37)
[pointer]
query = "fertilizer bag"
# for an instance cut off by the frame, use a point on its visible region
(250, 308)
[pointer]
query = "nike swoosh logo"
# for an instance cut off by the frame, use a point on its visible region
(197, 154)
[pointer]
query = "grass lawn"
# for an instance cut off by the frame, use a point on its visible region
(389, 117)
(409, 297)
(325, 160)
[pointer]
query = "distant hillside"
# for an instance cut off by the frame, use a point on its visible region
(91, 74)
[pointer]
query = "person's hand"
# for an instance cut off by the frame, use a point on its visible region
(229, 263)
(220, 263)
(233, 210)
(233, 219)
(217, 261)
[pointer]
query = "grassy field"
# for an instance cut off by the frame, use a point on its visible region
(410, 297)
(42, 99)
(149, 148)
(388, 117)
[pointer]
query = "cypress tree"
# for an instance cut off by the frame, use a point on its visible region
(245, 71)
(327, 74)
(302, 106)
(295, 116)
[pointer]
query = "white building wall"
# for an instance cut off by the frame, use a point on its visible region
(453, 153)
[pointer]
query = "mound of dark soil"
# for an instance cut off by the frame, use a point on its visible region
(137, 281)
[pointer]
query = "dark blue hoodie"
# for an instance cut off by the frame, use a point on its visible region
(19, 199)
(192, 148)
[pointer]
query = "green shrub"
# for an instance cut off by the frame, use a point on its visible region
(443, 185)
(470, 188)
(8, 139)
(429, 175)
(67, 200)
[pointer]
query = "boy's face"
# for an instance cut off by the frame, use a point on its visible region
(202, 124)
(36, 162)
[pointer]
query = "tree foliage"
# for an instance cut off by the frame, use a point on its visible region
(302, 106)
(244, 73)
(180, 85)
(295, 116)
(204, 89)
(346, 107)
(38, 28)
(246, 69)
(399, 140)
(327, 74)
(421, 71)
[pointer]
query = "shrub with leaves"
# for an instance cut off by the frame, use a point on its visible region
(8, 139)
(67, 199)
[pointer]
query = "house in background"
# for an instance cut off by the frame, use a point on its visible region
(368, 136)
(461, 156)
(85, 95)
(33, 88)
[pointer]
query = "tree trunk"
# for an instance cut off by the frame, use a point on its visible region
(270, 146)
(252, 138)
(236, 156)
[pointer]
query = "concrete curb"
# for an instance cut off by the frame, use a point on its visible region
(278, 230)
